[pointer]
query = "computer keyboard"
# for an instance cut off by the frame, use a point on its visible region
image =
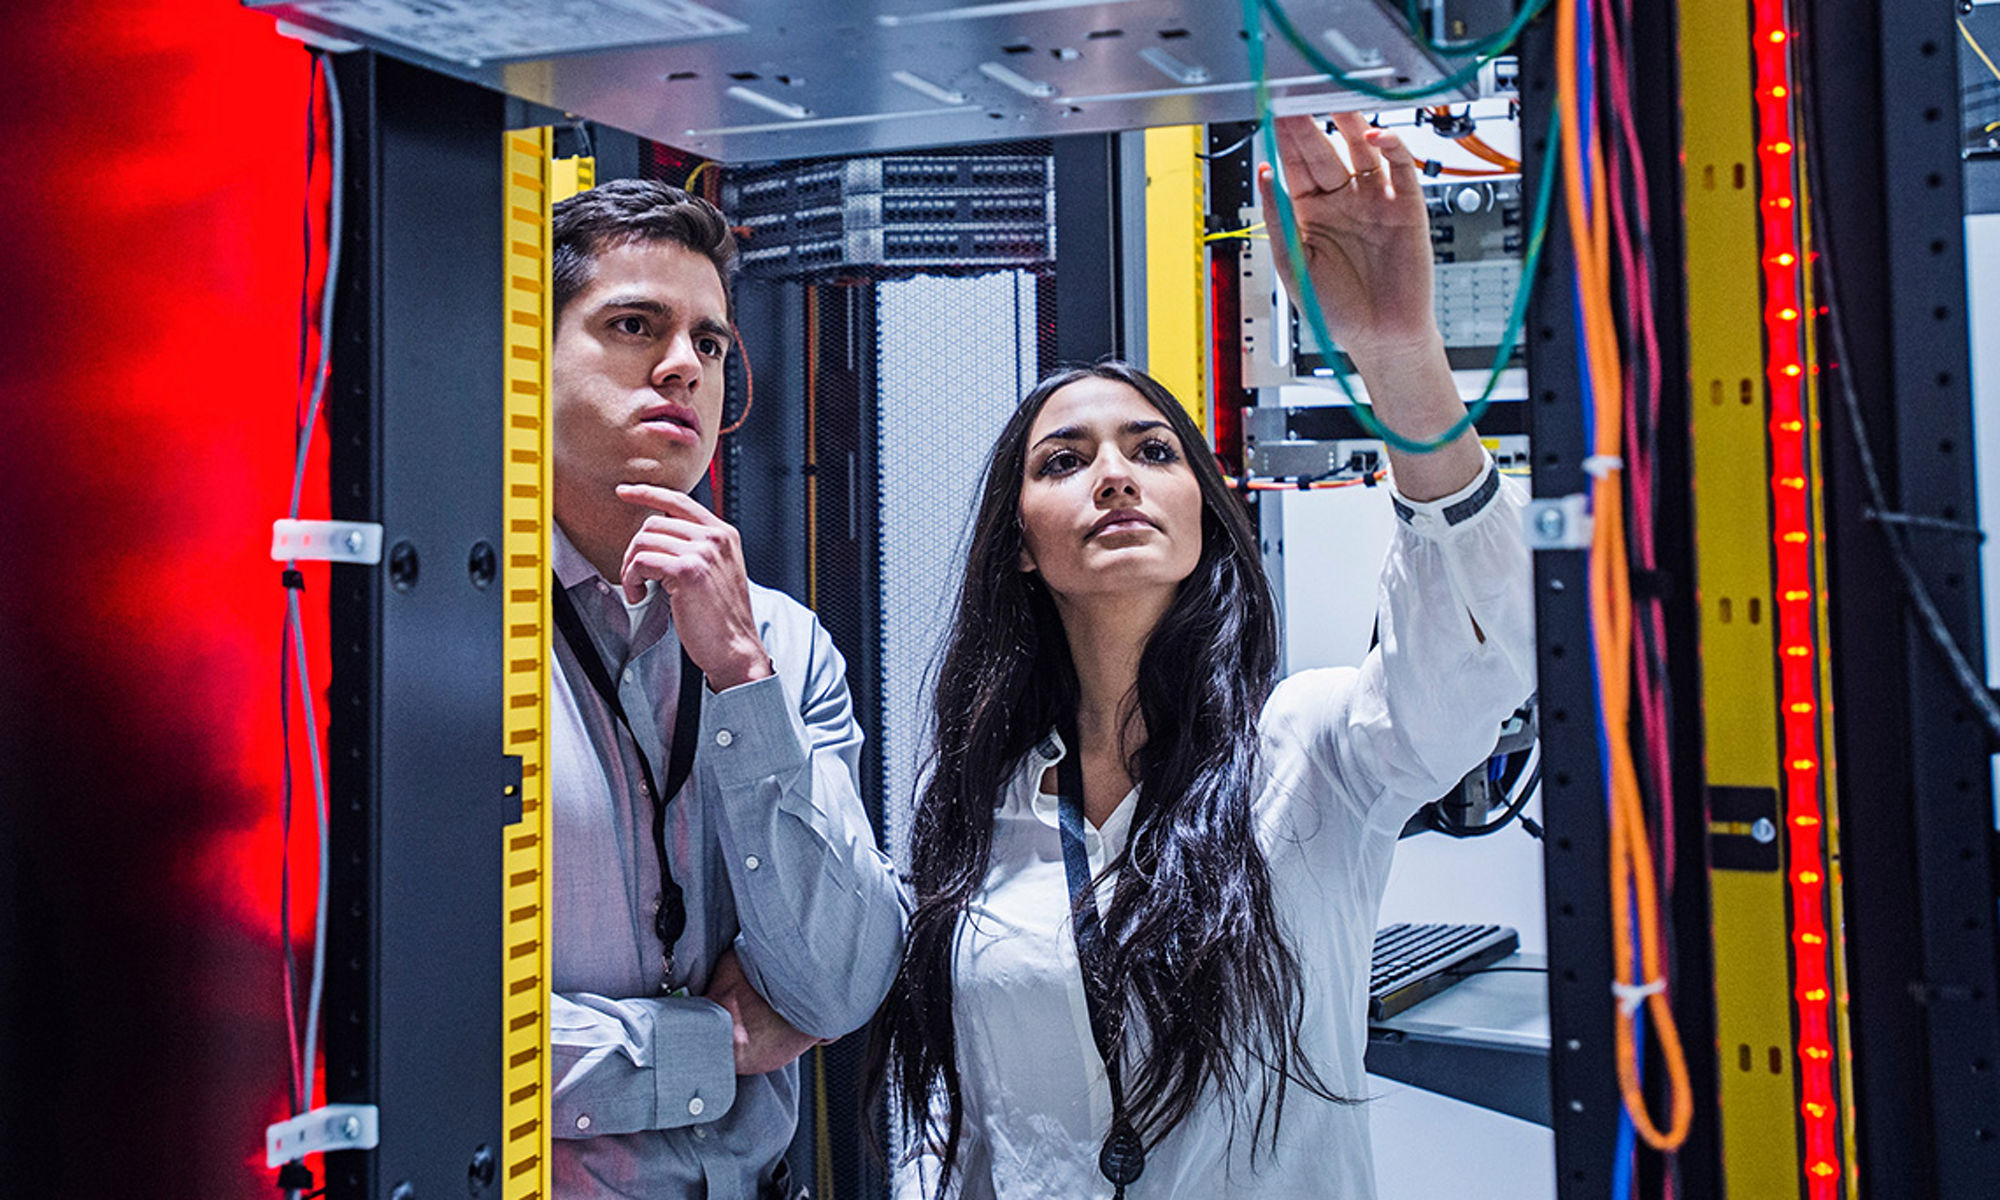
(1415, 962)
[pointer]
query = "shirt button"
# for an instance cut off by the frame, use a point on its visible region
(723, 737)
(701, 1133)
(603, 588)
(628, 676)
(753, 862)
(695, 1106)
(583, 1122)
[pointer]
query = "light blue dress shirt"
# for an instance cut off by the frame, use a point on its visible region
(770, 841)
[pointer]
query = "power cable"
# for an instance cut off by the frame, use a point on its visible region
(1928, 617)
(293, 649)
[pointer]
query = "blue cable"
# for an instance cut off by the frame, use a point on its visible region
(1586, 86)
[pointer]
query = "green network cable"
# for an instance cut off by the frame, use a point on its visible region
(1287, 221)
(1482, 52)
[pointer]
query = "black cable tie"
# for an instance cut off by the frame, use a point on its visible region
(295, 1177)
(1368, 478)
(1433, 168)
(1651, 585)
(1531, 826)
(808, 470)
(294, 579)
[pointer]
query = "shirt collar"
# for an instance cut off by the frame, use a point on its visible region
(1117, 826)
(571, 566)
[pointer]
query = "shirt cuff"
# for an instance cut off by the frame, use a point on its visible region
(750, 732)
(700, 1084)
(1438, 519)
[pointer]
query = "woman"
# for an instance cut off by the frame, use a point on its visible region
(1193, 1025)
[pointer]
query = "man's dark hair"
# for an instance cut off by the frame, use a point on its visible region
(634, 210)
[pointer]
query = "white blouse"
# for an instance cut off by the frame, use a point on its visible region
(1347, 756)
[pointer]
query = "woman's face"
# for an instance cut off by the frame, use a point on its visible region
(1109, 504)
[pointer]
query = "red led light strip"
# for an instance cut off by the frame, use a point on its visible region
(1785, 367)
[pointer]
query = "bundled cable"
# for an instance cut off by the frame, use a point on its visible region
(1636, 912)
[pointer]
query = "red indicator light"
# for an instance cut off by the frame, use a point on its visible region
(1777, 37)
(1806, 822)
(1795, 595)
(1824, 1169)
(1781, 147)
(1792, 370)
(1805, 764)
(1786, 259)
(1796, 539)
(1788, 314)
(1779, 92)
(1812, 939)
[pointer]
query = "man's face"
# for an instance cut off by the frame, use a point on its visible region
(636, 372)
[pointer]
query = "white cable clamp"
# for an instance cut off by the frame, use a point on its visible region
(1597, 466)
(326, 541)
(1632, 995)
(316, 39)
(334, 1127)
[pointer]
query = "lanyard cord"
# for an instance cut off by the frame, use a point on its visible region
(1122, 1159)
(670, 918)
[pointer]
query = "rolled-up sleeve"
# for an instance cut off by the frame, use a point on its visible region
(623, 1066)
(1456, 652)
(821, 915)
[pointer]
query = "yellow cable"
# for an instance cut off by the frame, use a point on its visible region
(822, 1134)
(1979, 50)
(693, 175)
(1248, 231)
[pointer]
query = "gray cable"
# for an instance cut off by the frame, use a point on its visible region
(337, 181)
(332, 277)
(319, 805)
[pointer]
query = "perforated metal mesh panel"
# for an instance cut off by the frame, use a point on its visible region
(955, 357)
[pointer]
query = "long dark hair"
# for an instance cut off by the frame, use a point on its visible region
(1193, 935)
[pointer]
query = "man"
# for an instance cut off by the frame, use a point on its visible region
(684, 995)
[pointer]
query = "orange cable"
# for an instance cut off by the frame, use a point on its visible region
(749, 385)
(1476, 145)
(812, 446)
(1632, 873)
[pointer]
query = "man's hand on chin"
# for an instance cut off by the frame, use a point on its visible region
(697, 558)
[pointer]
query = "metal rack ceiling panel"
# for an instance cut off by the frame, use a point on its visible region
(749, 80)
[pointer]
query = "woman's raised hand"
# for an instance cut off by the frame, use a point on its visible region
(1365, 233)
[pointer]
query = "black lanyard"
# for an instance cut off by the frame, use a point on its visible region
(670, 919)
(1123, 1157)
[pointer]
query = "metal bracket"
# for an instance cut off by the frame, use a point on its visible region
(326, 541)
(1558, 522)
(334, 1127)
